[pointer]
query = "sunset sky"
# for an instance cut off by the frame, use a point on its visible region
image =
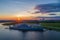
(10, 9)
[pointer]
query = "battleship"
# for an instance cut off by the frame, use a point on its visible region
(26, 27)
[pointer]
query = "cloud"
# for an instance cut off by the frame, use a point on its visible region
(48, 17)
(48, 8)
(52, 14)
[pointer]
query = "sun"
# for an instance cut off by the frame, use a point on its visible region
(18, 17)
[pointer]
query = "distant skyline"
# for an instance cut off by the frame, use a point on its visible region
(9, 9)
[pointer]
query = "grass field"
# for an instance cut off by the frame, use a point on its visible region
(51, 24)
(54, 26)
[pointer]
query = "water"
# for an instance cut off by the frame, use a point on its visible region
(6, 34)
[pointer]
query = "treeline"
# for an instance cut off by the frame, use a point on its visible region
(45, 21)
(51, 21)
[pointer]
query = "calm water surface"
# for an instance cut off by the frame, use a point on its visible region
(6, 34)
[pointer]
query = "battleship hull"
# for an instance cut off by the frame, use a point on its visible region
(27, 29)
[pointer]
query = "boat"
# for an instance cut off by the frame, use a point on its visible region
(26, 27)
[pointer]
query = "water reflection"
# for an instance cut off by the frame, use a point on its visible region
(30, 35)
